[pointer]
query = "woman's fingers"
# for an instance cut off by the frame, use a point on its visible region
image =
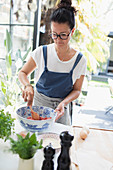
(29, 99)
(60, 112)
(59, 115)
(22, 93)
(25, 97)
(28, 96)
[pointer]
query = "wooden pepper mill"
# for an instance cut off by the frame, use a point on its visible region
(64, 158)
(48, 163)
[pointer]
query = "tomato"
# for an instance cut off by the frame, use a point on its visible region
(30, 118)
(41, 118)
(45, 118)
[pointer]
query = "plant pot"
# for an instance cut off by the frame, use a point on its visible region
(26, 164)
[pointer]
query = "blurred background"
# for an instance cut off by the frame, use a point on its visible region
(24, 25)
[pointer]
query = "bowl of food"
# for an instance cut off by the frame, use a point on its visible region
(46, 118)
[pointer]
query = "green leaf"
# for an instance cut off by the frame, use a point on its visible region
(20, 138)
(33, 139)
(8, 42)
(3, 90)
(18, 54)
(2, 84)
(25, 147)
(10, 60)
(27, 136)
(25, 56)
(5, 43)
(41, 142)
(6, 124)
(9, 72)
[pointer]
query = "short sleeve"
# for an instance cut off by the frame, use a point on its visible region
(80, 69)
(36, 55)
(84, 66)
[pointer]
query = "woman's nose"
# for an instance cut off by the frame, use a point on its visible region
(58, 38)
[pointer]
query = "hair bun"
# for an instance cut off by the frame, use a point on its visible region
(65, 3)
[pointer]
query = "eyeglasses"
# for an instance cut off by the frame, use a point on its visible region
(62, 36)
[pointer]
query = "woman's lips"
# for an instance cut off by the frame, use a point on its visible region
(59, 43)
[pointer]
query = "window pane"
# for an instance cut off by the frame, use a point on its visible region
(4, 11)
(22, 38)
(21, 13)
(2, 38)
(25, 17)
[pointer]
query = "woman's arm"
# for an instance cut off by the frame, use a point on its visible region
(28, 92)
(72, 96)
(28, 67)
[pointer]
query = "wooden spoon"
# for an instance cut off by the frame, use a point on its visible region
(34, 114)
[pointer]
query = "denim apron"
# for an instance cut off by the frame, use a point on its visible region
(55, 84)
(53, 87)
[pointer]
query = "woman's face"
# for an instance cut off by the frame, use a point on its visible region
(57, 28)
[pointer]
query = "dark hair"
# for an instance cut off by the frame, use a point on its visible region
(64, 13)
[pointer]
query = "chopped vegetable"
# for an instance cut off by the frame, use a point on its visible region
(40, 118)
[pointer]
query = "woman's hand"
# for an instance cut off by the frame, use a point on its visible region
(72, 96)
(28, 94)
(59, 110)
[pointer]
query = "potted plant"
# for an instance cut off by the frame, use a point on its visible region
(6, 125)
(26, 148)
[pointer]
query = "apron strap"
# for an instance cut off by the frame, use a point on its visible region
(79, 56)
(45, 55)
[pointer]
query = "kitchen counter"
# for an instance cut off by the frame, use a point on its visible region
(9, 161)
(97, 147)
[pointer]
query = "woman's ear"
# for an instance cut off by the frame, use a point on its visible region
(72, 31)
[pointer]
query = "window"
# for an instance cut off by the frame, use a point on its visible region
(21, 28)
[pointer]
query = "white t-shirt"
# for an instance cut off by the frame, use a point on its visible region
(55, 64)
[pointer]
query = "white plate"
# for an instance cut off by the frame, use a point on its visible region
(52, 138)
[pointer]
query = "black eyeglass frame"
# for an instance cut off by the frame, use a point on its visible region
(59, 35)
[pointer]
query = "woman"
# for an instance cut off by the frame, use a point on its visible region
(61, 68)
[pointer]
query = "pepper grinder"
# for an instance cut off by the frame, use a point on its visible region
(48, 163)
(64, 158)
